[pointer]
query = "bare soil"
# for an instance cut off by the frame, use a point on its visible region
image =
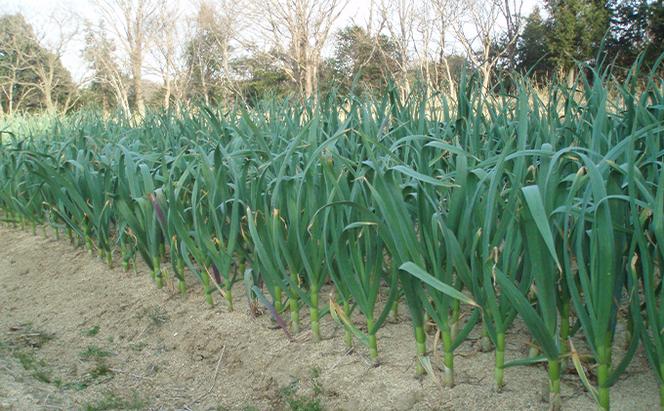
(75, 334)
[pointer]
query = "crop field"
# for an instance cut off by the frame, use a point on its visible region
(525, 216)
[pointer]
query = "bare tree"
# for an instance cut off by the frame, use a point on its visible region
(182, 71)
(216, 30)
(133, 23)
(62, 28)
(399, 17)
(106, 72)
(180, 85)
(14, 96)
(298, 30)
(165, 47)
(420, 30)
(14, 63)
(444, 14)
(424, 42)
(476, 31)
(511, 11)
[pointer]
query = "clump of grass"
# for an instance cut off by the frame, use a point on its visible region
(25, 335)
(138, 347)
(74, 385)
(92, 331)
(38, 368)
(300, 402)
(113, 401)
(94, 352)
(100, 367)
(42, 375)
(157, 315)
(316, 385)
(27, 360)
(101, 370)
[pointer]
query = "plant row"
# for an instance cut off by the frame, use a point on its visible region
(544, 207)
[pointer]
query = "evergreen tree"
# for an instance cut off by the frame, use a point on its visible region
(358, 53)
(655, 31)
(533, 45)
(260, 77)
(577, 30)
(628, 30)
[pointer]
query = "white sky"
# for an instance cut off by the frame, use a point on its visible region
(37, 11)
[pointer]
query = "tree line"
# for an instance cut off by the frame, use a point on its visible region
(158, 53)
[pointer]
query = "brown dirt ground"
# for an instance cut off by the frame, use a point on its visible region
(155, 349)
